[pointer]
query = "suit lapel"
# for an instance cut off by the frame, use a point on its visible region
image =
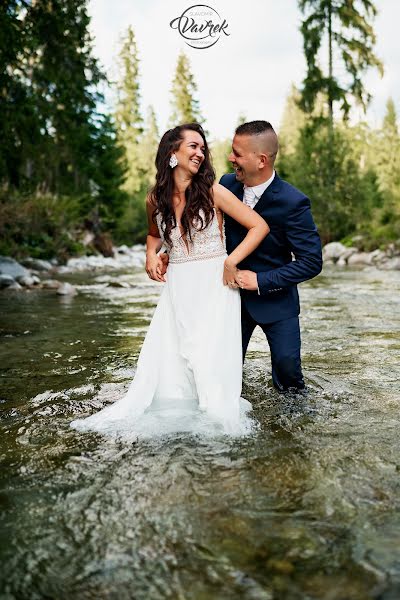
(237, 189)
(270, 194)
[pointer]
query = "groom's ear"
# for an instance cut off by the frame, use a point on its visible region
(264, 160)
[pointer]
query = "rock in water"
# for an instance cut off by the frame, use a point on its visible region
(14, 286)
(66, 289)
(26, 280)
(51, 284)
(9, 266)
(37, 264)
(6, 281)
(333, 251)
(360, 258)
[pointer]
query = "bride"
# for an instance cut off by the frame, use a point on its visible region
(189, 371)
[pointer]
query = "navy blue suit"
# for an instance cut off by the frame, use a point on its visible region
(292, 231)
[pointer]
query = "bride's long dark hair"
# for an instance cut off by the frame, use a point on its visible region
(199, 201)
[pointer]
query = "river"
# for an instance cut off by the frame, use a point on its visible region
(307, 507)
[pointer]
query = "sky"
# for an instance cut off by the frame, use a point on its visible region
(250, 71)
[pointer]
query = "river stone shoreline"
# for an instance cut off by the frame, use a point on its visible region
(335, 253)
(32, 273)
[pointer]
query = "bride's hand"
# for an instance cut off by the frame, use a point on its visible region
(154, 267)
(230, 270)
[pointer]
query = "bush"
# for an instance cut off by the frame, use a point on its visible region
(40, 226)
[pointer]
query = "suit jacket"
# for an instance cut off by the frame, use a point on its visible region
(292, 230)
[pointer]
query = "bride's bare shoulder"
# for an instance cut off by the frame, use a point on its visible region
(222, 196)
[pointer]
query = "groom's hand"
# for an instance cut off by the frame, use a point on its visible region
(164, 262)
(247, 280)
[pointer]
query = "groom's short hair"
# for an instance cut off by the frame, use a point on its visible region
(268, 137)
(254, 128)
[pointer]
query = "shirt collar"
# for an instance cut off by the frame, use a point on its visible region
(259, 189)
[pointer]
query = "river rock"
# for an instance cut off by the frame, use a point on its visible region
(37, 264)
(51, 284)
(119, 284)
(392, 250)
(378, 256)
(333, 251)
(66, 289)
(15, 286)
(392, 264)
(9, 266)
(6, 281)
(26, 280)
(359, 258)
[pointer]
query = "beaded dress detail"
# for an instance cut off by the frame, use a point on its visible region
(200, 245)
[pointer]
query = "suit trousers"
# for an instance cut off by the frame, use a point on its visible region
(284, 342)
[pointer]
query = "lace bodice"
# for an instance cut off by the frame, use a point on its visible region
(206, 243)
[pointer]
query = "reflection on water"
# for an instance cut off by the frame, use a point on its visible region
(307, 507)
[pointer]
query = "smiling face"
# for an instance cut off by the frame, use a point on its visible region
(252, 158)
(190, 154)
(245, 159)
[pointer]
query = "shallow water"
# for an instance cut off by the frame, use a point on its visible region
(305, 508)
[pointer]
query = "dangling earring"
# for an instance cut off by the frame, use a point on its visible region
(173, 161)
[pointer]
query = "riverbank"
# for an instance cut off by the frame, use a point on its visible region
(338, 254)
(32, 273)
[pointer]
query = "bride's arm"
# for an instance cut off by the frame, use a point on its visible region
(243, 214)
(153, 245)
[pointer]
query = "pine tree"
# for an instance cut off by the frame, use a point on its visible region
(339, 210)
(17, 120)
(108, 174)
(127, 115)
(389, 153)
(148, 148)
(220, 150)
(292, 121)
(185, 106)
(241, 119)
(64, 78)
(346, 28)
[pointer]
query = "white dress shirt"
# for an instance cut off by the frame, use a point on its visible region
(251, 195)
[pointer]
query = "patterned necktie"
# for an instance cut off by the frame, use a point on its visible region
(249, 197)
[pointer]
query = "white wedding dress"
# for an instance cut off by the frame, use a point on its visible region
(189, 371)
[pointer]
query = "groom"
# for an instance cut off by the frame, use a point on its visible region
(268, 278)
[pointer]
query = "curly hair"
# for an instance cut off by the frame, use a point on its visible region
(198, 210)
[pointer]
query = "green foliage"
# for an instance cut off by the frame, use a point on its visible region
(39, 226)
(345, 27)
(108, 175)
(293, 119)
(148, 145)
(341, 208)
(388, 157)
(131, 228)
(351, 174)
(57, 78)
(128, 118)
(220, 150)
(185, 106)
(57, 150)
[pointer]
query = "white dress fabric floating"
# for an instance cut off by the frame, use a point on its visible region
(189, 371)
